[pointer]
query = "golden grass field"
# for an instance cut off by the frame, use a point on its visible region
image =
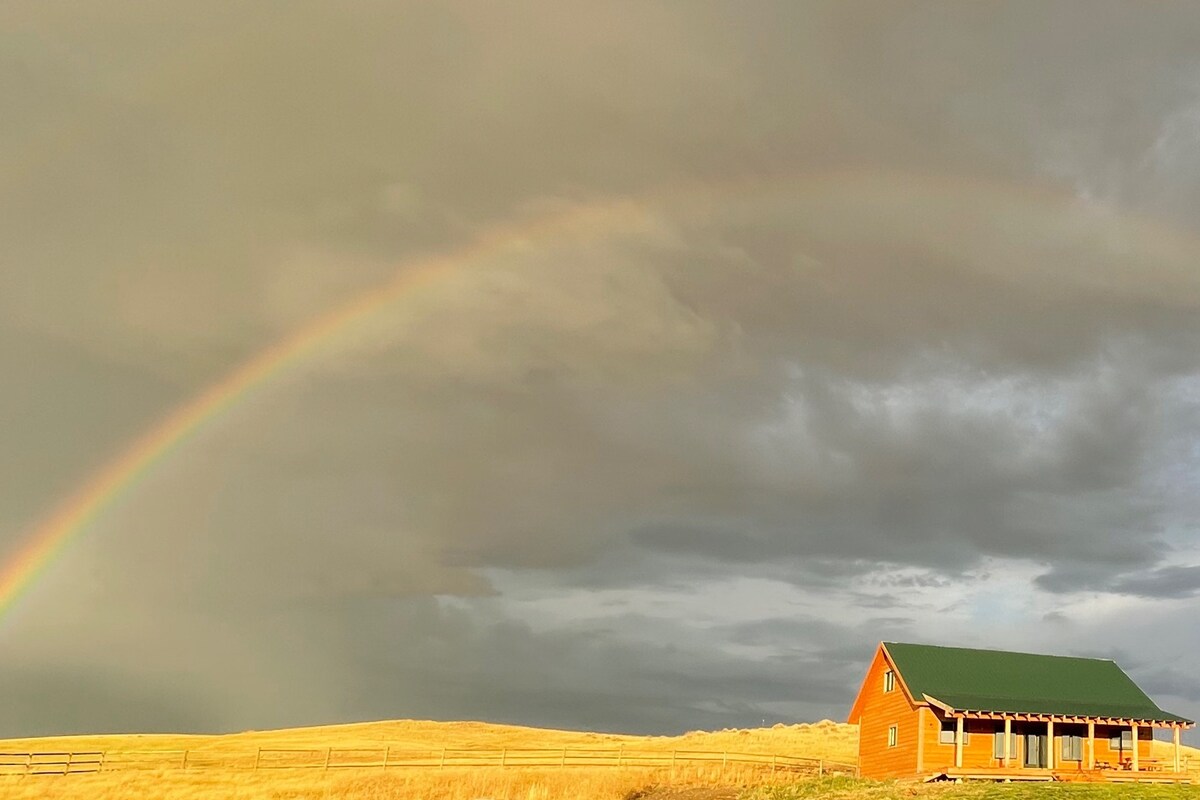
(827, 740)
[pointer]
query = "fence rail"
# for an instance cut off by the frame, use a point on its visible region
(336, 758)
(51, 763)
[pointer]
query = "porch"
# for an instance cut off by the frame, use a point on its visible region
(1048, 747)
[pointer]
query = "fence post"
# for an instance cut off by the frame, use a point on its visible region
(772, 763)
(503, 756)
(100, 766)
(28, 763)
(257, 758)
(820, 768)
(328, 753)
(724, 758)
(563, 762)
(443, 761)
(620, 754)
(387, 752)
(67, 766)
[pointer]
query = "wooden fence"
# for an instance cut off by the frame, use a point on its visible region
(66, 763)
(75, 763)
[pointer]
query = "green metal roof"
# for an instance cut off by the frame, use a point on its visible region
(994, 680)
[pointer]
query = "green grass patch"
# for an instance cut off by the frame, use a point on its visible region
(856, 789)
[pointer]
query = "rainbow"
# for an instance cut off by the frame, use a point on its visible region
(72, 516)
(1171, 248)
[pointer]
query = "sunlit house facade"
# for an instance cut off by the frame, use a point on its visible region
(947, 712)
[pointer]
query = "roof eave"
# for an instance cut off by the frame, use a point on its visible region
(979, 713)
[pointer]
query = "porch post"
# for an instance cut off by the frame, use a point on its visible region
(1175, 736)
(1134, 727)
(1050, 744)
(1091, 744)
(958, 744)
(1004, 760)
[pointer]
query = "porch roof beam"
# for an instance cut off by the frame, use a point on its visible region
(1123, 722)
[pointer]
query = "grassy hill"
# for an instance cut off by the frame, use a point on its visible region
(826, 740)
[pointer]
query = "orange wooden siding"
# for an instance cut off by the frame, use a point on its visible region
(879, 711)
(1106, 752)
(977, 747)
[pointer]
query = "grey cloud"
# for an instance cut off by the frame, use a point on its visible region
(61, 404)
(475, 664)
(1162, 582)
(52, 699)
(1172, 682)
(903, 289)
(1165, 582)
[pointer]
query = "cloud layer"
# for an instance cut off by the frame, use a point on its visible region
(875, 322)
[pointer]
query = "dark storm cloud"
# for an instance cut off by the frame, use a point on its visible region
(925, 317)
(1165, 582)
(64, 403)
(475, 665)
(48, 699)
(1171, 682)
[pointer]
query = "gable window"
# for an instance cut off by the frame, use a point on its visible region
(949, 729)
(893, 735)
(1072, 748)
(889, 681)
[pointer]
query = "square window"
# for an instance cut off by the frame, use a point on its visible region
(1072, 748)
(998, 745)
(949, 731)
(893, 735)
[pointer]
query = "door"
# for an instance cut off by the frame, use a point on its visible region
(1036, 747)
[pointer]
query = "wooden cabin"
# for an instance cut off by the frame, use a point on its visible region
(948, 712)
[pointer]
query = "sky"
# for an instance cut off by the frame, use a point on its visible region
(807, 325)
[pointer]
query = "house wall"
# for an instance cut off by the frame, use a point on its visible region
(977, 748)
(879, 711)
(1105, 752)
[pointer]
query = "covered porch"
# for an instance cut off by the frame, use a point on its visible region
(1051, 747)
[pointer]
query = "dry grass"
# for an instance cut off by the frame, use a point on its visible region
(825, 739)
(213, 784)
(1165, 753)
(449, 784)
(836, 742)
